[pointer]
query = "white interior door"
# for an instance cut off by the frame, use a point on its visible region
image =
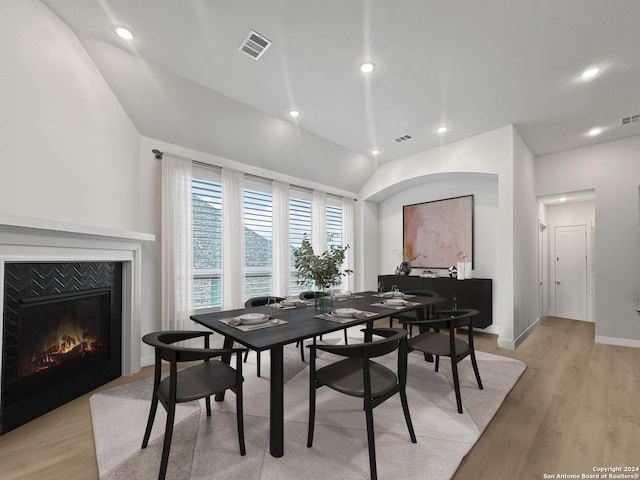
(571, 272)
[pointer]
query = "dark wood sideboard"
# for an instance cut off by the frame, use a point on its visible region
(469, 293)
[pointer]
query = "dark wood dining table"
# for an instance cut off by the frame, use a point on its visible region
(301, 324)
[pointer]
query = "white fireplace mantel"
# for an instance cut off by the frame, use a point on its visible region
(26, 239)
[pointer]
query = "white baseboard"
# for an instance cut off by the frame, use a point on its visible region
(513, 344)
(490, 329)
(620, 342)
(146, 361)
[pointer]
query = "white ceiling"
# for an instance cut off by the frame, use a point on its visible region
(472, 65)
(582, 196)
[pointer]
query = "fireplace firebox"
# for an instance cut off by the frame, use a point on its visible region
(61, 337)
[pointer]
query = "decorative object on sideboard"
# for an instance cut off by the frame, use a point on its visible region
(464, 270)
(407, 256)
(403, 269)
(467, 270)
(429, 274)
(453, 271)
(464, 267)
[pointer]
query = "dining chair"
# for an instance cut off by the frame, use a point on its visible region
(258, 302)
(192, 383)
(358, 376)
(428, 310)
(448, 345)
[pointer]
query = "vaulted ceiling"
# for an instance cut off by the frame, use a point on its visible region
(470, 65)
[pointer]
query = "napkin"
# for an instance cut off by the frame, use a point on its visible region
(358, 314)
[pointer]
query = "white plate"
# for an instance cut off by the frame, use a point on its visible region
(345, 312)
(289, 303)
(394, 301)
(253, 318)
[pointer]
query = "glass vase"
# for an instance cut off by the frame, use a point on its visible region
(323, 300)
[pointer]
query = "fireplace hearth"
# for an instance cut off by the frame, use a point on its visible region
(62, 335)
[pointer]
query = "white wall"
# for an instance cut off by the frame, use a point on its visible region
(613, 170)
(525, 240)
(491, 153)
(68, 150)
(581, 213)
(483, 187)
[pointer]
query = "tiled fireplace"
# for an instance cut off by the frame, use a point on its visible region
(70, 298)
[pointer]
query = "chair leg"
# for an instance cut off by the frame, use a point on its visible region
(456, 384)
(152, 416)
(475, 369)
(246, 355)
(312, 413)
(371, 439)
(407, 415)
(301, 343)
(168, 433)
(207, 404)
(240, 418)
(258, 363)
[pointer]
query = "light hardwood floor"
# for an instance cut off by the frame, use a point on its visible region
(576, 407)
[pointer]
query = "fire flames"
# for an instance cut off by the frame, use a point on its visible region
(71, 340)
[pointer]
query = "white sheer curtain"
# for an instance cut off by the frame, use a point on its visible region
(280, 255)
(177, 246)
(232, 239)
(348, 238)
(319, 222)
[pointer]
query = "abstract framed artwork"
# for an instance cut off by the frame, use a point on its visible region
(438, 234)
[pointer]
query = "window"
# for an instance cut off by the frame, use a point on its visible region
(257, 216)
(334, 224)
(300, 218)
(258, 233)
(207, 241)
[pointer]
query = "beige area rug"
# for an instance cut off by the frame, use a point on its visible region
(207, 447)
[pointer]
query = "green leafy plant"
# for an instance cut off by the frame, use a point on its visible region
(323, 271)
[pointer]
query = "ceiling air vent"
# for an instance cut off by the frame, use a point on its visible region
(254, 45)
(630, 119)
(403, 138)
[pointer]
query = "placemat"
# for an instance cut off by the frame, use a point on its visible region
(274, 322)
(335, 318)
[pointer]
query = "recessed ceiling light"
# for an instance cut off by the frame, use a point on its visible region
(294, 113)
(367, 67)
(375, 151)
(562, 199)
(442, 129)
(590, 73)
(594, 131)
(124, 33)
